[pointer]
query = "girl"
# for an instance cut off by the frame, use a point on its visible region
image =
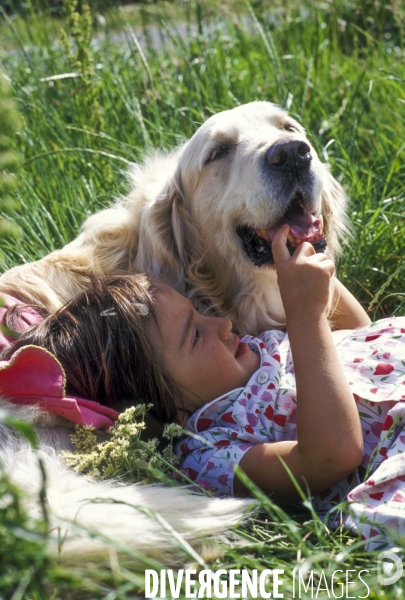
(320, 403)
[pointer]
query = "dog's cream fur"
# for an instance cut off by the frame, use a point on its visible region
(178, 222)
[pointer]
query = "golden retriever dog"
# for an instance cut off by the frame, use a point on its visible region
(203, 217)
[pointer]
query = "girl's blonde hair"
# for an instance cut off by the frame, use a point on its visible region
(100, 338)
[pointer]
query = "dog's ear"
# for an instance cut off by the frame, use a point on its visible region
(169, 240)
(334, 206)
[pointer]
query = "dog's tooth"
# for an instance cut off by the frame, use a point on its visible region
(291, 238)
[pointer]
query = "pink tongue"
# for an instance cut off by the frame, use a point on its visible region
(302, 226)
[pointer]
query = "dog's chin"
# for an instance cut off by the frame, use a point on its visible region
(304, 226)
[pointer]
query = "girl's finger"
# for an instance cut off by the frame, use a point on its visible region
(323, 261)
(305, 249)
(327, 267)
(279, 245)
(319, 258)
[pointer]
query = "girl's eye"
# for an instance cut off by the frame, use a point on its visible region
(197, 336)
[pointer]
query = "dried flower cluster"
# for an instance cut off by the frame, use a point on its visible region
(124, 454)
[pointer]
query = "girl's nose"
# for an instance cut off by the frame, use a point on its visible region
(224, 328)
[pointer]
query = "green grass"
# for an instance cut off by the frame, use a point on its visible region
(337, 66)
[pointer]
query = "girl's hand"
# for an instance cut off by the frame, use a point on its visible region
(304, 278)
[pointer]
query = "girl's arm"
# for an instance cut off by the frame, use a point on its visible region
(347, 311)
(330, 443)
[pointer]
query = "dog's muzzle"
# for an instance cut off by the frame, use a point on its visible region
(288, 162)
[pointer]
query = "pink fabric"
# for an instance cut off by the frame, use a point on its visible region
(34, 376)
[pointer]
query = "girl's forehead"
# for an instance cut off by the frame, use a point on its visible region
(171, 309)
(164, 291)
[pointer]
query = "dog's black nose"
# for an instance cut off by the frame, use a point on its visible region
(291, 155)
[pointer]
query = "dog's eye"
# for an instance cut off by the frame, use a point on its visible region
(219, 152)
(289, 127)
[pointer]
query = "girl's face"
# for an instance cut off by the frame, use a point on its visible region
(201, 353)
